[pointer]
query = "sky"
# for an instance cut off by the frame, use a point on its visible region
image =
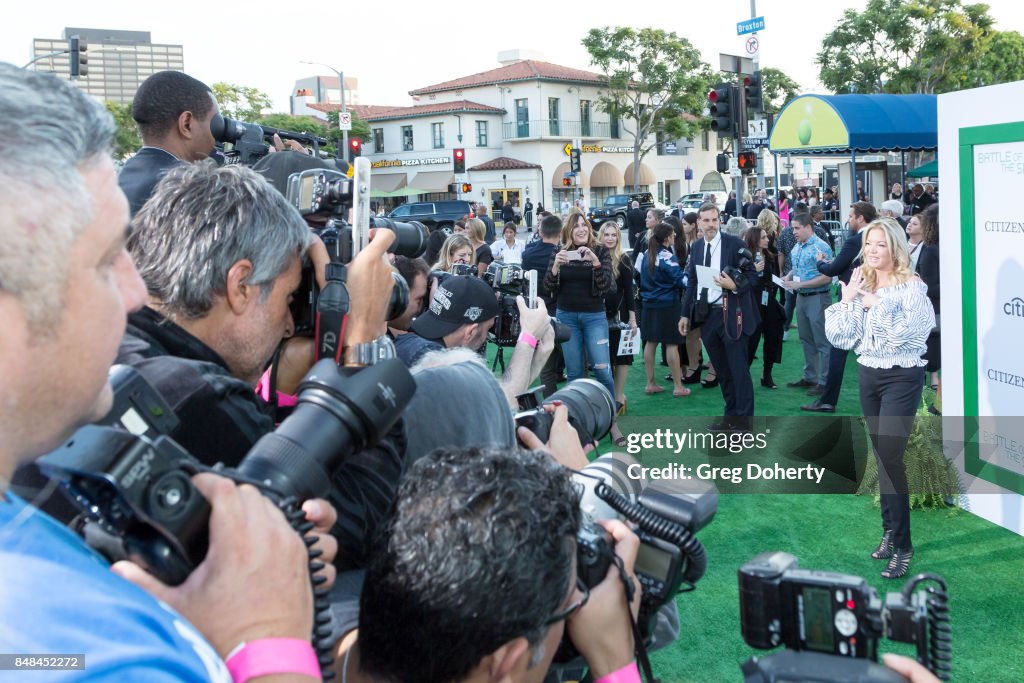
(415, 44)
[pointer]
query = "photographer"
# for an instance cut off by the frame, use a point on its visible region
(173, 112)
(491, 595)
(220, 252)
(66, 283)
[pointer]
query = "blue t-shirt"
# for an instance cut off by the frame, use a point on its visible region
(805, 261)
(57, 596)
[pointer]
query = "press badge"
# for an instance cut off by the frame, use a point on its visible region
(764, 298)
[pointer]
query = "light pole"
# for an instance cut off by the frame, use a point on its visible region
(341, 83)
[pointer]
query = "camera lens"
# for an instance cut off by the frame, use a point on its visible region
(339, 411)
(591, 407)
(399, 296)
(410, 238)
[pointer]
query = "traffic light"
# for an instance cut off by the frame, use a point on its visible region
(752, 93)
(575, 160)
(459, 159)
(722, 110)
(79, 60)
(467, 187)
(722, 163)
(567, 181)
(453, 188)
(747, 161)
(355, 148)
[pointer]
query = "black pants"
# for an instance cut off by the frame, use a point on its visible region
(890, 398)
(730, 360)
(834, 381)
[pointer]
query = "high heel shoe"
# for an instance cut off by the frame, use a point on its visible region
(884, 549)
(709, 383)
(899, 563)
(769, 382)
(622, 407)
(693, 377)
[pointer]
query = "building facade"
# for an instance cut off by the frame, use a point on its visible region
(118, 61)
(321, 90)
(516, 124)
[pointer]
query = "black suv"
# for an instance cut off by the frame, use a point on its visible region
(442, 213)
(616, 206)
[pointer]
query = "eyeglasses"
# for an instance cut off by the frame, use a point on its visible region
(571, 609)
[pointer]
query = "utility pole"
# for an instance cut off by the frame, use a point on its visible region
(343, 150)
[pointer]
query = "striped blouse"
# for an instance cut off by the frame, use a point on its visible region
(891, 333)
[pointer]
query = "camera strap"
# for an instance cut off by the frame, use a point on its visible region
(332, 314)
(639, 646)
(725, 319)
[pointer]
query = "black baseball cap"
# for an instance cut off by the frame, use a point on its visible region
(459, 300)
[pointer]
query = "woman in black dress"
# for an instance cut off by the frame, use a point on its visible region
(773, 316)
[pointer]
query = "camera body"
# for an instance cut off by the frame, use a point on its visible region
(838, 616)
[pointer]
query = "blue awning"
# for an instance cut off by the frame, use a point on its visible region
(836, 124)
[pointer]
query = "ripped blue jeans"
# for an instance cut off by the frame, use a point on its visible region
(590, 334)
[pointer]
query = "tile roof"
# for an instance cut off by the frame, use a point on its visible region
(383, 113)
(526, 70)
(362, 111)
(504, 164)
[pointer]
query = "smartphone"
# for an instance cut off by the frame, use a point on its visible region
(573, 255)
(531, 291)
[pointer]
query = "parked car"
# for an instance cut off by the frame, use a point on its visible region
(694, 200)
(443, 213)
(616, 206)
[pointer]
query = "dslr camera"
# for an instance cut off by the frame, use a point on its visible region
(830, 623)
(509, 281)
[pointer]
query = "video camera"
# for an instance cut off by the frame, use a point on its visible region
(666, 517)
(831, 623)
(331, 194)
(249, 140)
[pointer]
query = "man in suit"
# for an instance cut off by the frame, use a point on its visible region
(726, 314)
(848, 258)
(635, 223)
(174, 112)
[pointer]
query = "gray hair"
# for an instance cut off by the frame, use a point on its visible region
(200, 221)
(736, 226)
(894, 206)
(52, 133)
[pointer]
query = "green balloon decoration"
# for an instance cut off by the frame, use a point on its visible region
(803, 131)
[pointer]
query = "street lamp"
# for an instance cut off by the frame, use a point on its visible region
(341, 83)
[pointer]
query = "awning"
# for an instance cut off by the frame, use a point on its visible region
(647, 176)
(929, 170)
(559, 174)
(831, 124)
(604, 175)
(432, 181)
(388, 182)
(712, 182)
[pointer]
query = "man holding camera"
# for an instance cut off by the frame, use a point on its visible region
(173, 111)
(66, 283)
(725, 313)
(502, 525)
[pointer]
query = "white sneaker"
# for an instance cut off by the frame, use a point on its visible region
(785, 335)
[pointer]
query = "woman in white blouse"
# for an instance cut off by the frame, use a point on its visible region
(885, 316)
(508, 249)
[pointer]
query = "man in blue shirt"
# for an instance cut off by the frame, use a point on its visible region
(66, 284)
(813, 296)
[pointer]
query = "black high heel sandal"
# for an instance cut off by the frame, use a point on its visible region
(899, 563)
(769, 382)
(884, 549)
(709, 383)
(693, 377)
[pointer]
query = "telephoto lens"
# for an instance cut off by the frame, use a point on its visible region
(410, 238)
(591, 411)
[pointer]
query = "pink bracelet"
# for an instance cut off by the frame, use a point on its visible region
(627, 674)
(268, 656)
(528, 338)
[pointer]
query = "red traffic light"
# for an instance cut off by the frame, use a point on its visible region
(713, 96)
(460, 153)
(567, 182)
(746, 161)
(356, 144)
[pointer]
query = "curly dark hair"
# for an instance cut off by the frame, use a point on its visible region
(930, 224)
(477, 551)
(163, 97)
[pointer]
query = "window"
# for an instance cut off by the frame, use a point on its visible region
(378, 140)
(522, 118)
(705, 140)
(553, 115)
(614, 125)
(481, 133)
(437, 135)
(406, 138)
(584, 117)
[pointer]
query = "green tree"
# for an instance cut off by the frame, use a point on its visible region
(655, 83)
(240, 102)
(906, 46)
(777, 88)
(127, 139)
(1002, 62)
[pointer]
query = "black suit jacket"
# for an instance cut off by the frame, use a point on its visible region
(740, 300)
(928, 269)
(142, 172)
(845, 261)
(635, 223)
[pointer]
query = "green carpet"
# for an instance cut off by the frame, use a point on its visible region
(982, 563)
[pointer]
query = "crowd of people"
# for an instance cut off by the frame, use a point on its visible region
(448, 544)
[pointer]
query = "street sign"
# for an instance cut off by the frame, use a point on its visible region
(758, 128)
(752, 46)
(567, 149)
(345, 120)
(750, 26)
(734, 64)
(754, 143)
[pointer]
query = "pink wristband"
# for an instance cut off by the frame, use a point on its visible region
(268, 656)
(528, 338)
(627, 674)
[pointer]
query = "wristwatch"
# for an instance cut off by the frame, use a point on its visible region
(369, 353)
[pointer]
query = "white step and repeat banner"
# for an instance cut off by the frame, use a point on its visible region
(981, 175)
